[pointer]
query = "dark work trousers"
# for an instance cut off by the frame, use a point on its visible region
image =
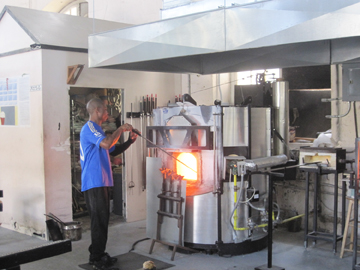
(98, 205)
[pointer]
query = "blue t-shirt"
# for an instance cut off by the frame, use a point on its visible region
(95, 160)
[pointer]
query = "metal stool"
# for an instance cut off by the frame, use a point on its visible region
(349, 223)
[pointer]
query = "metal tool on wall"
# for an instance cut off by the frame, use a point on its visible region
(143, 154)
(148, 115)
(146, 105)
(131, 184)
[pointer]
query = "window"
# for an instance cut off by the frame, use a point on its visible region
(251, 77)
(77, 8)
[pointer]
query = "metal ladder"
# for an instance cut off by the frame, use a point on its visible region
(168, 197)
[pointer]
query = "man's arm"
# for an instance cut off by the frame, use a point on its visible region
(110, 140)
(121, 148)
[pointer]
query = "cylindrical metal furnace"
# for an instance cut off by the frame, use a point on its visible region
(222, 213)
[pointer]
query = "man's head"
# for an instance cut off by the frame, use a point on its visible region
(97, 110)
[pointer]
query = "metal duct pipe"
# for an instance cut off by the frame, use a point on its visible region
(281, 116)
(257, 164)
(218, 147)
(189, 84)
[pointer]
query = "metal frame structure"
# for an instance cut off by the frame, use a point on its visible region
(315, 234)
(165, 132)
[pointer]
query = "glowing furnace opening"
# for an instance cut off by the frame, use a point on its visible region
(191, 161)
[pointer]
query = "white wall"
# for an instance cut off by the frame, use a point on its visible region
(343, 128)
(173, 8)
(10, 28)
(56, 141)
(204, 89)
(50, 5)
(17, 3)
(21, 159)
(132, 12)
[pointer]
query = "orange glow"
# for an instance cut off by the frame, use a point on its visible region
(190, 160)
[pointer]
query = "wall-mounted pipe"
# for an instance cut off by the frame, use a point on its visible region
(189, 84)
(337, 99)
(355, 120)
(237, 201)
(341, 115)
(218, 84)
(281, 116)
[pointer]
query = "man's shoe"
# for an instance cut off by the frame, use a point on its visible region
(101, 266)
(110, 261)
(105, 263)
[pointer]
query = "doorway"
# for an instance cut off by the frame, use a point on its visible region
(113, 98)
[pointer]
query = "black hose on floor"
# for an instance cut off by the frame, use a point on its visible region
(138, 241)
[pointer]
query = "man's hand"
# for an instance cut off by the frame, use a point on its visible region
(126, 127)
(133, 134)
(110, 140)
(117, 161)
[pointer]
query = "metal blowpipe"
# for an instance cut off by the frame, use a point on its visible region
(138, 133)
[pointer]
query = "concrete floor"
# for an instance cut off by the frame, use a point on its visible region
(288, 251)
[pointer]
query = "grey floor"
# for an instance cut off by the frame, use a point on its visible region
(288, 251)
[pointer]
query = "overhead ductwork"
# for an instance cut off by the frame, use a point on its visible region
(268, 34)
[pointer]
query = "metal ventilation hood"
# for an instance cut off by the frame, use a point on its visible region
(267, 34)
(54, 30)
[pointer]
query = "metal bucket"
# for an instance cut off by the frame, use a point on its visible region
(54, 230)
(72, 230)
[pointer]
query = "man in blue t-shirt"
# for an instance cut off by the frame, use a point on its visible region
(96, 177)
